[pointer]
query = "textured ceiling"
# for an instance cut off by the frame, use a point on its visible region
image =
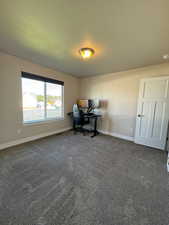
(125, 34)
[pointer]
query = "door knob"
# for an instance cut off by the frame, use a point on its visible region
(139, 115)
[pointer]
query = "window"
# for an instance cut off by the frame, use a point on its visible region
(42, 98)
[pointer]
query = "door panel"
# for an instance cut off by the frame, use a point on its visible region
(153, 112)
(155, 89)
(144, 119)
(157, 122)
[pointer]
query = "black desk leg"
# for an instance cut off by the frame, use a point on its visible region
(95, 128)
(74, 127)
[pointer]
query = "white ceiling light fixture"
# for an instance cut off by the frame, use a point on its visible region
(86, 53)
(166, 56)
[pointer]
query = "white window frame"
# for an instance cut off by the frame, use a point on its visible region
(45, 120)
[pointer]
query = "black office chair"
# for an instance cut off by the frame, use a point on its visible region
(78, 119)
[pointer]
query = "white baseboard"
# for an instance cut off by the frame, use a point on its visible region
(27, 139)
(128, 138)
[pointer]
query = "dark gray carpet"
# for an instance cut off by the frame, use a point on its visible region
(75, 180)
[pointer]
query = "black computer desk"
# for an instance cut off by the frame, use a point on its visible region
(90, 116)
(95, 118)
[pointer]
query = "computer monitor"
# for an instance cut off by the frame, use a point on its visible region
(83, 103)
(88, 105)
(95, 103)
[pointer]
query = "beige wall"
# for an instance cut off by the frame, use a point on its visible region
(11, 98)
(119, 93)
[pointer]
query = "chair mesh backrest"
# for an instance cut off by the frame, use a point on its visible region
(77, 115)
(76, 111)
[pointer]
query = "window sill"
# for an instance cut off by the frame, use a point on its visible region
(39, 122)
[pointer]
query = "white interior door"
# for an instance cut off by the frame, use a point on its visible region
(153, 112)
